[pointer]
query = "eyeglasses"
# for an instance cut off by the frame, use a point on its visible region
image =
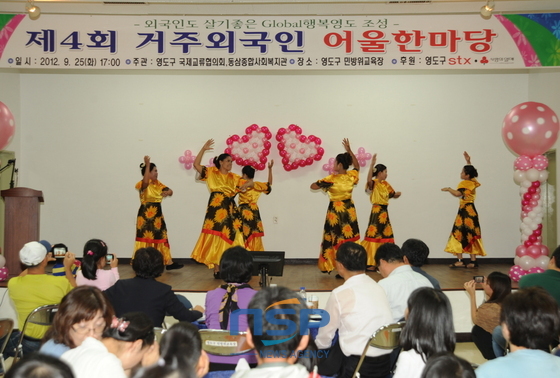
(82, 329)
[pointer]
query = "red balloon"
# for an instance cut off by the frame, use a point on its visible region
(288, 167)
(521, 251)
(527, 243)
(285, 161)
(261, 166)
(292, 127)
(235, 137)
(245, 139)
(248, 130)
(297, 130)
(302, 138)
(537, 232)
(283, 153)
(536, 184)
(279, 137)
(254, 127)
(525, 202)
(320, 150)
(265, 152)
(267, 145)
(532, 190)
(318, 141)
(281, 131)
(301, 163)
(294, 165)
(228, 151)
(532, 238)
(527, 196)
(263, 159)
(265, 129)
(229, 141)
(317, 157)
(309, 161)
(312, 138)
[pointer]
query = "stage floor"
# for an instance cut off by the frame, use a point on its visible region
(198, 278)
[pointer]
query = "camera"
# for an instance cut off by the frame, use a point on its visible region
(478, 279)
(109, 257)
(59, 251)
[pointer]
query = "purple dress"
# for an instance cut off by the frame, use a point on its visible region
(213, 303)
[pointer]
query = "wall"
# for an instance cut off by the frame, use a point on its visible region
(84, 135)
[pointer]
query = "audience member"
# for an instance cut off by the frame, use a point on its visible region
(399, 279)
(416, 253)
(37, 365)
(93, 264)
(530, 323)
(122, 347)
(548, 280)
(83, 312)
(236, 269)
(34, 288)
(487, 316)
(357, 309)
(143, 293)
(428, 330)
(277, 359)
(58, 252)
(181, 347)
(447, 365)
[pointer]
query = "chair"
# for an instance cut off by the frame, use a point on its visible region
(386, 337)
(42, 315)
(222, 343)
(6, 327)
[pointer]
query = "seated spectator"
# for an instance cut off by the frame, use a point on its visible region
(487, 316)
(122, 347)
(357, 309)
(34, 288)
(58, 252)
(236, 269)
(416, 253)
(93, 264)
(277, 359)
(447, 365)
(399, 279)
(181, 350)
(143, 293)
(83, 312)
(428, 330)
(37, 365)
(530, 323)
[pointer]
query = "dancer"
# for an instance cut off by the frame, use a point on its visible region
(249, 210)
(341, 223)
(465, 235)
(151, 230)
(221, 228)
(379, 229)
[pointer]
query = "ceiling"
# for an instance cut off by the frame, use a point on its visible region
(278, 7)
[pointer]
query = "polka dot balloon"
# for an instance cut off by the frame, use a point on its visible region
(3, 274)
(530, 128)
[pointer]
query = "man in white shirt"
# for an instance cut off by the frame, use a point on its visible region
(357, 309)
(399, 279)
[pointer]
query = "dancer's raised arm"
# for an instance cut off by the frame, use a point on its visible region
(207, 147)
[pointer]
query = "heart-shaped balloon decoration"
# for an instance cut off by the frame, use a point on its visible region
(252, 148)
(298, 150)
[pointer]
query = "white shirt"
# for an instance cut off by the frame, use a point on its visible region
(93, 360)
(357, 309)
(398, 286)
(409, 365)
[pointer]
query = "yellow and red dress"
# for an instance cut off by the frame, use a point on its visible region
(252, 226)
(379, 229)
(465, 235)
(222, 225)
(151, 230)
(341, 223)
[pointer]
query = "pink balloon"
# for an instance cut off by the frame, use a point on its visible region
(521, 251)
(527, 208)
(255, 145)
(188, 166)
(292, 145)
(534, 251)
(245, 150)
(7, 125)
(325, 167)
(525, 202)
(534, 203)
(523, 163)
(544, 250)
(540, 163)
(302, 150)
(536, 269)
(530, 128)
(536, 197)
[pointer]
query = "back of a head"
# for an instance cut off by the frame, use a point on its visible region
(352, 256)
(532, 318)
(556, 255)
(429, 326)
(249, 171)
(500, 284)
(345, 159)
(37, 365)
(447, 365)
(269, 297)
(389, 252)
(130, 327)
(148, 263)
(181, 346)
(416, 251)
(236, 265)
(94, 250)
(164, 371)
(81, 304)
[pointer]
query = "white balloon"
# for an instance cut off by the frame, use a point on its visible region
(534, 226)
(532, 174)
(523, 190)
(527, 262)
(2, 261)
(518, 177)
(532, 214)
(542, 262)
(526, 184)
(527, 231)
(527, 221)
(543, 176)
(516, 260)
(524, 238)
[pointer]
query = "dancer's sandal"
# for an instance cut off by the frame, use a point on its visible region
(458, 264)
(472, 264)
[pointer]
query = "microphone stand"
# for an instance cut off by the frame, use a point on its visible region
(12, 163)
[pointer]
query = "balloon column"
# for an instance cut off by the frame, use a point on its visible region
(7, 125)
(529, 130)
(298, 150)
(251, 148)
